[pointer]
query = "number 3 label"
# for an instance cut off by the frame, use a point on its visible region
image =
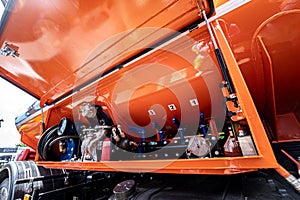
(194, 102)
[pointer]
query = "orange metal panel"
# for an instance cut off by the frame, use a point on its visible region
(195, 166)
(276, 53)
(270, 107)
(245, 99)
(58, 37)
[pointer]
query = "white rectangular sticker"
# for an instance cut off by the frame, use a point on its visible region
(172, 107)
(151, 112)
(194, 102)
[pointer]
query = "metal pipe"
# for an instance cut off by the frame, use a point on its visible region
(292, 159)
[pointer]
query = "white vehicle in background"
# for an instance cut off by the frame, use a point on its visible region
(2, 162)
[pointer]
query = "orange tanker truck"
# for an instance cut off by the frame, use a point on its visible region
(154, 99)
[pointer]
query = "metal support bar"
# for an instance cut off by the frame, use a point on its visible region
(219, 56)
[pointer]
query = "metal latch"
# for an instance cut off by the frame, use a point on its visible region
(9, 50)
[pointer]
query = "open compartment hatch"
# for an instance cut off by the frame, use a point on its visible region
(142, 120)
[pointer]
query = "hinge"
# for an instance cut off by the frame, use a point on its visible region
(9, 50)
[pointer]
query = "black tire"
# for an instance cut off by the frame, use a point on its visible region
(12, 172)
(5, 190)
(17, 170)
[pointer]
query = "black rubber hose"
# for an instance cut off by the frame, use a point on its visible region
(44, 138)
(46, 154)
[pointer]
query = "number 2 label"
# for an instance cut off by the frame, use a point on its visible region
(172, 107)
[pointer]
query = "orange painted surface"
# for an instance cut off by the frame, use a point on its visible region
(66, 45)
(64, 34)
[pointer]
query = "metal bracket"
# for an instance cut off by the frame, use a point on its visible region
(9, 50)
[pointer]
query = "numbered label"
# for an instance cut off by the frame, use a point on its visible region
(172, 107)
(194, 102)
(151, 112)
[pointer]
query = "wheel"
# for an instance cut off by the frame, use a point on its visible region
(5, 183)
(17, 170)
(4, 189)
(13, 171)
